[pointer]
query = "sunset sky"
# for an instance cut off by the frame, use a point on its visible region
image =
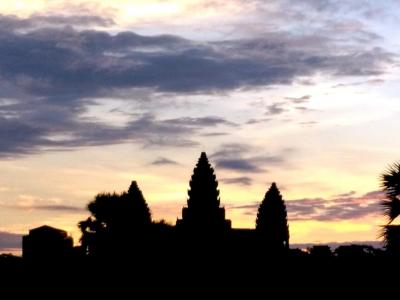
(95, 94)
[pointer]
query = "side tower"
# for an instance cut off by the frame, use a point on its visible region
(272, 227)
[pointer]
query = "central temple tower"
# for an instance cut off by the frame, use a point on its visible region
(203, 212)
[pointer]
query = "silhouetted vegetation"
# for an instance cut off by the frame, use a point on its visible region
(390, 181)
(391, 186)
(321, 251)
(356, 251)
(117, 222)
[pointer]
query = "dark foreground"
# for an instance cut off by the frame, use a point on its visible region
(203, 274)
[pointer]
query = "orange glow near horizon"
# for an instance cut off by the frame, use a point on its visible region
(296, 95)
(166, 194)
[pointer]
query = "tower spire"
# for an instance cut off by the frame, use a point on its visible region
(203, 211)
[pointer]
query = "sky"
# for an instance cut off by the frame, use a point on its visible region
(95, 94)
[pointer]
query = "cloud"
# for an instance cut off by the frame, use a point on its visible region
(199, 122)
(52, 207)
(275, 109)
(73, 20)
(14, 23)
(319, 11)
(214, 134)
(257, 121)
(279, 108)
(10, 242)
(91, 63)
(51, 75)
(309, 123)
(29, 202)
(162, 161)
(244, 180)
(55, 208)
(299, 100)
(358, 83)
(240, 158)
(242, 165)
(231, 150)
(60, 129)
(343, 207)
(346, 195)
(346, 206)
(334, 6)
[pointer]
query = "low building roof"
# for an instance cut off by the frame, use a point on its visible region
(47, 229)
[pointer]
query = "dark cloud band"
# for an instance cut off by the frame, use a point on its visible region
(341, 207)
(50, 75)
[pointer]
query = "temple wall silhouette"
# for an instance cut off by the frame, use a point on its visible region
(46, 242)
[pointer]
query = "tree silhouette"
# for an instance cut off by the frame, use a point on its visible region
(320, 251)
(390, 181)
(271, 224)
(116, 219)
(355, 251)
(203, 211)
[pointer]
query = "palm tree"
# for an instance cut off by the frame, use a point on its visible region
(87, 231)
(390, 181)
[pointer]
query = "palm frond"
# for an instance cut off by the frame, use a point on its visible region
(391, 237)
(391, 208)
(390, 180)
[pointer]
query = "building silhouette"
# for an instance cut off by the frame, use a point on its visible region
(46, 242)
(272, 226)
(203, 214)
(122, 222)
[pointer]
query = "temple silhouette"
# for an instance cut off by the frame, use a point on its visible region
(203, 213)
(123, 222)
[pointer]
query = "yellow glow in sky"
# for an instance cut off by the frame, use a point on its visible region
(23, 8)
(124, 12)
(127, 8)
